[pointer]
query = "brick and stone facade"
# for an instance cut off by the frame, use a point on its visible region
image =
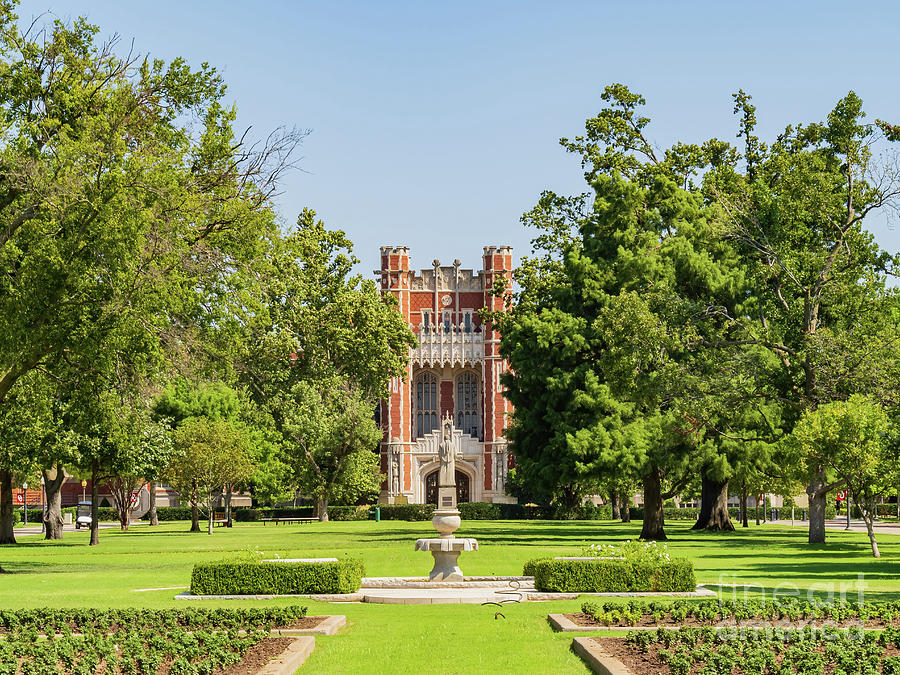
(454, 371)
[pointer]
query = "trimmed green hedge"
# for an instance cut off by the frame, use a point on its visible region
(342, 513)
(170, 513)
(881, 510)
(277, 578)
(610, 576)
(467, 510)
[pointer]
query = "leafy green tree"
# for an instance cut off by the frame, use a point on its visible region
(320, 349)
(184, 400)
(797, 210)
(852, 440)
(615, 293)
(23, 426)
(126, 201)
(210, 455)
(145, 450)
(330, 434)
(703, 294)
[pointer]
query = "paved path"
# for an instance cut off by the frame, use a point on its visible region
(21, 531)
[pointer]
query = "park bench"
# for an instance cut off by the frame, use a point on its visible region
(219, 518)
(288, 519)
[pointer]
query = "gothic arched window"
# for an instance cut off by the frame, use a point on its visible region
(467, 404)
(425, 399)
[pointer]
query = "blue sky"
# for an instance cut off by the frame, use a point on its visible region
(435, 125)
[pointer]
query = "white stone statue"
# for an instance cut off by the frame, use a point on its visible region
(447, 454)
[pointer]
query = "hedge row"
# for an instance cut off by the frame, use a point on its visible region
(610, 576)
(734, 512)
(467, 510)
(277, 578)
(881, 510)
(250, 515)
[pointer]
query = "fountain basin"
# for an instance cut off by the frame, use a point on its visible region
(445, 551)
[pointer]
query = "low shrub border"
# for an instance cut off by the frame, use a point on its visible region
(611, 576)
(277, 578)
(711, 612)
(467, 511)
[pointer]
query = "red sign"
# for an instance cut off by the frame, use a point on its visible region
(20, 498)
(841, 495)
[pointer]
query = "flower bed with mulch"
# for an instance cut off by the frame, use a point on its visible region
(745, 651)
(157, 642)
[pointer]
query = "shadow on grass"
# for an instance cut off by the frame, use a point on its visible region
(29, 567)
(41, 543)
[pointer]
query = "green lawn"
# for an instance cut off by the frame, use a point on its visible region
(398, 638)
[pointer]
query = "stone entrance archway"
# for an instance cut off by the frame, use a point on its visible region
(431, 487)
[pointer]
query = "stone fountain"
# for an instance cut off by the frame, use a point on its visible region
(446, 548)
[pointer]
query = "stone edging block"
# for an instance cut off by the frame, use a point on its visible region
(340, 597)
(562, 624)
(291, 658)
(329, 625)
(596, 659)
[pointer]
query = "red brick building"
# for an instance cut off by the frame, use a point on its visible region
(454, 371)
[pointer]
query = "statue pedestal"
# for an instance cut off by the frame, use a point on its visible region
(446, 499)
(446, 548)
(445, 551)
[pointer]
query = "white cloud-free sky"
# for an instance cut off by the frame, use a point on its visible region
(435, 125)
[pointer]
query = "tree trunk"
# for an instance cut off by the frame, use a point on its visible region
(53, 520)
(868, 512)
(95, 498)
(154, 517)
(195, 511)
(570, 497)
(210, 519)
(849, 502)
(119, 487)
(614, 503)
(654, 521)
(713, 514)
(817, 498)
(758, 500)
(7, 532)
(322, 509)
(625, 510)
(744, 521)
(228, 505)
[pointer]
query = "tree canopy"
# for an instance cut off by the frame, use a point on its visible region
(680, 317)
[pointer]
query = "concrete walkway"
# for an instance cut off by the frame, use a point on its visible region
(21, 530)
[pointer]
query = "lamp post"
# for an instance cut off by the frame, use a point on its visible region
(25, 502)
(83, 486)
